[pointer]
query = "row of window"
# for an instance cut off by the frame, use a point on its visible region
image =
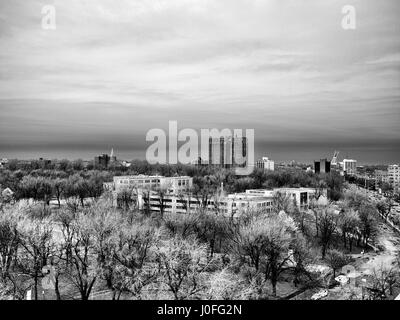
(133, 181)
(183, 182)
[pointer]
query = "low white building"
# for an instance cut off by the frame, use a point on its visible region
(230, 205)
(178, 197)
(171, 184)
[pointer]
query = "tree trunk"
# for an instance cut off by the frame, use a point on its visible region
(344, 239)
(323, 248)
(273, 282)
(36, 286)
(57, 289)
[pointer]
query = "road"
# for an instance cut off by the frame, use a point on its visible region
(390, 242)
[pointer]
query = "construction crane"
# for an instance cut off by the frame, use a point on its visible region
(334, 158)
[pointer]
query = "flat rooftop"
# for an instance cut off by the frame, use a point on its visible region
(142, 176)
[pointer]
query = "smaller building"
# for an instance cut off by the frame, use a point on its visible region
(266, 164)
(350, 166)
(381, 175)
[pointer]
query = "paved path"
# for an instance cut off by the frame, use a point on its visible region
(391, 244)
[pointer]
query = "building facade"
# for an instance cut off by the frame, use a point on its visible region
(231, 205)
(228, 152)
(178, 196)
(350, 166)
(381, 175)
(322, 166)
(172, 185)
(102, 160)
(266, 164)
(393, 176)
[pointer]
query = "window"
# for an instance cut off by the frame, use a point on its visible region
(303, 198)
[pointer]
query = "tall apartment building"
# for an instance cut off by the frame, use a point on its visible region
(322, 166)
(228, 152)
(102, 160)
(350, 166)
(266, 164)
(393, 176)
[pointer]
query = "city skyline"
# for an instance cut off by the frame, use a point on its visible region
(306, 157)
(111, 72)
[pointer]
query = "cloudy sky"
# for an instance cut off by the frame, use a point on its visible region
(112, 70)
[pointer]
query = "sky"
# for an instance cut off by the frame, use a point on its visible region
(112, 70)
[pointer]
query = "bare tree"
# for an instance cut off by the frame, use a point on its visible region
(265, 242)
(382, 283)
(59, 186)
(9, 243)
(36, 240)
(280, 236)
(203, 190)
(146, 196)
(327, 226)
(336, 260)
(125, 198)
(301, 257)
(104, 224)
(162, 198)
(281, 202)
(64, 219)
(385, 207)
(82, 273)
(182, 264)
(133, 259)
(348, 222)
(368, 223)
